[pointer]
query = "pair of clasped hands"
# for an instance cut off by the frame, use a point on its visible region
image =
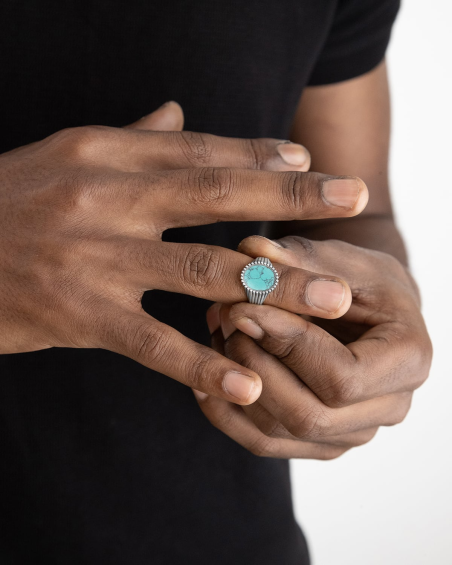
(81, 218)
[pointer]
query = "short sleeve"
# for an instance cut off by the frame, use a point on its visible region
(357, 40)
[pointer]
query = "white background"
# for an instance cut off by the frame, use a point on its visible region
(390, 501)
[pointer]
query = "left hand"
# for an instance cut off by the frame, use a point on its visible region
(323, 391)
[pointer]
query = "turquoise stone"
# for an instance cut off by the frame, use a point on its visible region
(259, 277)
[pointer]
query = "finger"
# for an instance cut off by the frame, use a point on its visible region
(213, 323)
(394, 354)
(287, 398)
(355, 439)
(256, 412)
(169, 117)
(362, 268)
(208, 195)
(270, 426)
(232, 421)
(227, 327)
(163, 349)
(199, 196)
(213, 317)
(199, 150)
(156, 142)
(213, 273)
(334, 372)
(136, 148)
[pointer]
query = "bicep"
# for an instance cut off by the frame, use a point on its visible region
(346, 127)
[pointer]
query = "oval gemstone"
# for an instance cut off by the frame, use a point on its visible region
(259, 277)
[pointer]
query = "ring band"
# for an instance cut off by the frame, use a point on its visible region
(259, 279)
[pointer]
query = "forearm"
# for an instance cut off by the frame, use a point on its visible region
(377, 232)
(346, 127)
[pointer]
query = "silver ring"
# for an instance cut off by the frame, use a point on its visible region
(259, 279)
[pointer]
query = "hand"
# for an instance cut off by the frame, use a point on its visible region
(81, 218)
(321, 394)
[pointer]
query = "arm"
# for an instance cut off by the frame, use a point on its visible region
(80, 238)
(346, 127)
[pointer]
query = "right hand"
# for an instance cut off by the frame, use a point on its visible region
(81, 218)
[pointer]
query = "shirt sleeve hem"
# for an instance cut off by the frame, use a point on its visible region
(348, 68)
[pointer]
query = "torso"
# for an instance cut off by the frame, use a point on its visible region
(104, 461)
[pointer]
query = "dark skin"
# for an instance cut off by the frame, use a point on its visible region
(82, 213)
(329, 384)
(81, 218)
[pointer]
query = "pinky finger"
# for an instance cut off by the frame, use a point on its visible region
(163, 349)
(232, 421)
(169, 117)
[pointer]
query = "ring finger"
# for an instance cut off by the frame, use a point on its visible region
(213, 273)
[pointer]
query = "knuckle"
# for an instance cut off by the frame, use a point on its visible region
(76, 193)
(307, 424)
(285, 349)
(379, 261)
(201, 266)
(198, 374)
(196, 147)
(273, 428)
(401, 410)
(255, 153)
(212, 185)
(150, 344)
(338, 246)
(394, 266)
(262, 447)
(236, 349)
(299, 190)
(343, 391)
(265, 422)
(300, 245)
(412, 356)
(221, 419)
(82, 142)
(422, 360)
(292, 191)
(286, 342)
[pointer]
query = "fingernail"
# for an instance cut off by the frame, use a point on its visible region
(227, 327)
(326, 295)
(249, 327)
(199, 395)
(292, 153)
(341, 192)
(238, 385)
(213, 317)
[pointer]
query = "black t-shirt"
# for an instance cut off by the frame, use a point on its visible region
(103, 460)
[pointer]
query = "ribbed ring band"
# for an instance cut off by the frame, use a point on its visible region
(259, 279)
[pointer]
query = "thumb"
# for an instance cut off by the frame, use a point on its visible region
(169, 117)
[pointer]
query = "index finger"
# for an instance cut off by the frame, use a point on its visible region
(131, 150)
